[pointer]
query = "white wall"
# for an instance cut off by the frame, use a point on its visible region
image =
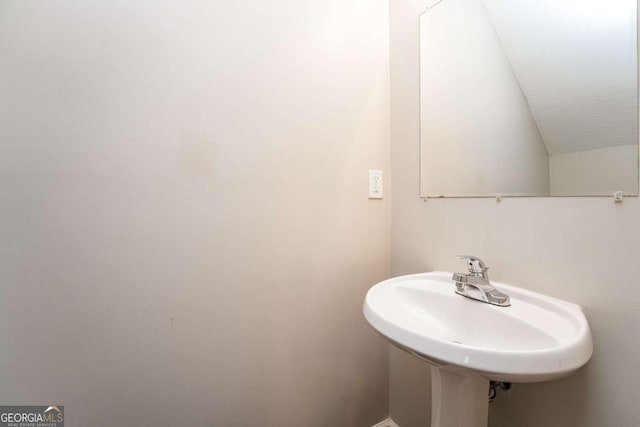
(478, 135)
(583, 250)
(596, 172)
(185, 235)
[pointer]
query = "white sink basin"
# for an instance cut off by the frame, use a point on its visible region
(537, 338)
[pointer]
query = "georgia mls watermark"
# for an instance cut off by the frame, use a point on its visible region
(32, 416)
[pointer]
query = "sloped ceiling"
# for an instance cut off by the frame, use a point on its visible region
(576, 61)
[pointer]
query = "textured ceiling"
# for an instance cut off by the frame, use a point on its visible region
(576, 61)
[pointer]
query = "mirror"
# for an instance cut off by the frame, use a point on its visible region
(528, 98)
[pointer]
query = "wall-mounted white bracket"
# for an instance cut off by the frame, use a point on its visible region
(498, 197)
(618, 196)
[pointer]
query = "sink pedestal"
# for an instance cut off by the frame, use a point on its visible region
(458, 400)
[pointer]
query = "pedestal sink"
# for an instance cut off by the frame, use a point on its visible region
(468, 342)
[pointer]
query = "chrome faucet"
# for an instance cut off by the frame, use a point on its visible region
(476, 285)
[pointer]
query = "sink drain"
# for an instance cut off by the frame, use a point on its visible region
(494, 386)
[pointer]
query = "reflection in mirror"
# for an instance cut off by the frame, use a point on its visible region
(528, 98)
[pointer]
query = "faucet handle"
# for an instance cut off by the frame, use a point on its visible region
(476, 265)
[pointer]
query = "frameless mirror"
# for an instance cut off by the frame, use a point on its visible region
(528, 98)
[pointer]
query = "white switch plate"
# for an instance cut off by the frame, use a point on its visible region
(375, 184)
